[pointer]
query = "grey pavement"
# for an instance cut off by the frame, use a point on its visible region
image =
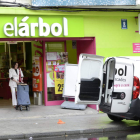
(41, 121)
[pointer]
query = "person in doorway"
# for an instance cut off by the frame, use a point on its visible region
(14, 75)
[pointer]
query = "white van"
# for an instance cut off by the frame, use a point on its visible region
(113, 85)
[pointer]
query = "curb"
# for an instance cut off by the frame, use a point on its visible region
(73, 132)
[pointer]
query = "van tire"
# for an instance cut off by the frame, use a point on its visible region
(114, 118)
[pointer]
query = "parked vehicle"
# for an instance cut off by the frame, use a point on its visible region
(113, 85)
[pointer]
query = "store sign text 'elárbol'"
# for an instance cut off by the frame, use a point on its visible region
(44, 29)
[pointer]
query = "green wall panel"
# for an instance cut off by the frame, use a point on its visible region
(111, 40)
(72, 53)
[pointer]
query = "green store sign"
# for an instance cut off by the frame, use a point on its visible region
(42, 26)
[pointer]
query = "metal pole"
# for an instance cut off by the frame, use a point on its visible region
(5, 47)
(9, 55)
(44, 73)
(24, 55)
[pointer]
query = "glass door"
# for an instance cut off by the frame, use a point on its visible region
(55, 60)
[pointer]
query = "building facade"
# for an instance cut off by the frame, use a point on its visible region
(110, 33)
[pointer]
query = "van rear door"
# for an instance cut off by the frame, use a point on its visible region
(123, 85)
(89, 81)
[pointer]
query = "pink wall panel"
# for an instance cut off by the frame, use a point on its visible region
(86, 46)
(89, 47)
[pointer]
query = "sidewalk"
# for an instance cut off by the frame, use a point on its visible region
(7, 112)
(42, 121)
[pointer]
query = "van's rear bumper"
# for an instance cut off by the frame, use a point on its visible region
(132, 114)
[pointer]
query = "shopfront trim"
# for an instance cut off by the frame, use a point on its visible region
(83, 49)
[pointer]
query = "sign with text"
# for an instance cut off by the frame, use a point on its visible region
(41, 26)
(136, 47)
(59, 78)
(37, 73)
(11, 42)
(124, 23)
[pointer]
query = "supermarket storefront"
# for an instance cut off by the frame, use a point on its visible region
(62, 36)
(66, 35)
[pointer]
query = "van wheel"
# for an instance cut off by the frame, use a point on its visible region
(114, 118)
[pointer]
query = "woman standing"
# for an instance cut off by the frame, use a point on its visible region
(14, 74)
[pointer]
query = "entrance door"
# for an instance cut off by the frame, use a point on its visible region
(55, 80)
(89, 80)
(123, 85)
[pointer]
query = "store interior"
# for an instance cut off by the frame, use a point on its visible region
(23, 53)
(10, 52)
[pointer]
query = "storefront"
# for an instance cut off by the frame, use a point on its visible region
(70, 33)
(14, 51)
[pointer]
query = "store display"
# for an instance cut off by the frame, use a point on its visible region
(4, 60)
(13, 52)
(37, 73)
(50, 76)
(55, 70)
(53, 59)
(59, 78)
(70, 77)
(20, 54)
(51, 56)
(62, 57)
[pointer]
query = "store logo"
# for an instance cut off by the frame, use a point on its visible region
(44, 28)
(121, 72)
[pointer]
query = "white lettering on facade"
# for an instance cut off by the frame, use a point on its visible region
(8, 29)
(65, 23)
(44, 29)
(42, 26)
(24, 30)
(33, 26)
(54, 27)
(15, 25)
